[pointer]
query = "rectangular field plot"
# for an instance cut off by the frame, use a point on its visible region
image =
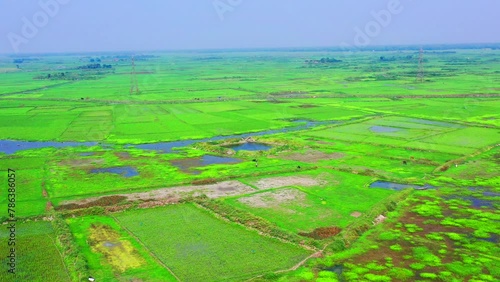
(414, 133)
(37, 257)
(307, 208)
(112, 254)
(29, 190)
(415, 123)
(471, 137)
(196, 246)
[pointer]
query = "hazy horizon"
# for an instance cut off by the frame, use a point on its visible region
(72, 26)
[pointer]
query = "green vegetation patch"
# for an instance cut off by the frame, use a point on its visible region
(38, 258)
(199, 247)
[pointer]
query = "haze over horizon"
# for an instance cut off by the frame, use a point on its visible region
(50, 26)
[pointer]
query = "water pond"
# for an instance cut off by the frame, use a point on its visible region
(250, 146)
(189, 165)
(125, 171)
(398, 186)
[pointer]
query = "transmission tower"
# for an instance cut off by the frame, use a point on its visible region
(134, 87)
(420, 74)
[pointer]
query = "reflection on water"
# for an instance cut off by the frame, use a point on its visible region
(188, 165)
(125, 171)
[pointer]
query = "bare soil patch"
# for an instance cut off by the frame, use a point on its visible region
(274, 198)
(222, 189)
(322, 232)
(313, 156)
(283, 181)
(356, 214)
(95, 202)
(123, 155)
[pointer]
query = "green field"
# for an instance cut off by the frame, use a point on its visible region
(35, 242)
(308, 208)
(115, 258)
(204, 211)
(200, 247)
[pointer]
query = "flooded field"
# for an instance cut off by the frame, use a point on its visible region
(398, 186)
(189, 165)
(251, 146)
(125, 171)
(383, 129)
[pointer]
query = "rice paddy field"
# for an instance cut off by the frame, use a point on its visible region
(251, 166)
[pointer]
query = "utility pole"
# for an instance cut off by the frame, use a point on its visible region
(134, 87)
(420, 73)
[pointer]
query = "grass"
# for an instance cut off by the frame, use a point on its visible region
(319, 206)
(37, 256)
(112, 254)
(197, 246)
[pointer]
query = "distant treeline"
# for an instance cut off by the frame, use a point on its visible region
(323, 61)
(95, 66)
(87, 75)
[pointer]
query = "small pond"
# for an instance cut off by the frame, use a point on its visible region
(189, 165)
(11, 146)
(384, 129)
(475, 201)
(125, 171)
(250, 146)
(398, 186)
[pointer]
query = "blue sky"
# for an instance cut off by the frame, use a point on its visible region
(136, 25)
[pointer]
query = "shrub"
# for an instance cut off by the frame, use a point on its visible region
(374, 277)
(428, 275)
(396, 248)
(401, 273)
(445, 275)
(454, 236)
(481, 234)
(306, 275)
(327, 274)
(434, 236)
(417, 266)
(389, 235)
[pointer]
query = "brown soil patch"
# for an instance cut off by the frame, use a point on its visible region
(204, 181)
(217, 190)
(313, 156)
(99, 202)
(274, 198)
(356, 214)
(322, 232)
(283, 181)
(123, 155)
